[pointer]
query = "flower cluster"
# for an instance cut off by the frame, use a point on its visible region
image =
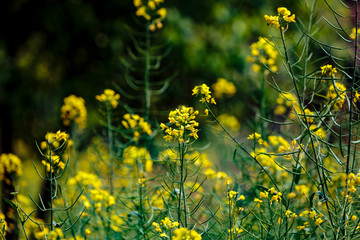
(287, 100)
(55, 139)
(328, 71)
(85, 180)
(11, 164)
(311, 215)
(353, 33)
(52, 143)
(137, 124)
(204, 92)
(230, 122)
(3, 224)
(336, 94)
(136, 156)
(263, 52)
(223, 87)
(184, 233)
(109, 96)
(256, 137)
(152, 12)
(282, 19)
(184, 120)
(352, 182)
(165, 224)
(74, 109)
(49, 235)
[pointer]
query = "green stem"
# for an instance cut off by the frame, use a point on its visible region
(263, 107)
(242, 148)
(110, 140)
(147, 73)
(182, 197)
(51, 191)
(302, 113)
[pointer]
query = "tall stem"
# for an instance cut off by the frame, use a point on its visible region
(51, 191)
(110, 140)
(147, 73)
(182, 196)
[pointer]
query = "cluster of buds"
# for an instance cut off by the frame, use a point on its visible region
(152, 12)
(283, 18)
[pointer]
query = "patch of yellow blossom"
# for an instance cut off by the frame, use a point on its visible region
(134, 156)
(223, 87)
(186, 126)
(55, 140)
(256, 137)
(49, 235)
(328, 71)
(232, 195)
(263, 52)
(10, 164)
(116, 222)
(312, 215)
(229, 121)
(157, 199)
(290, 214)
(136, 124)
(276, 195)
(74, 109)
(353, 33)
(303, 227)
(168, 155)
(3, 224)
(110, 97)
(85, 180)
(184, 233)
(203, 91)
(235, 231)
(166, 224)
(287, 101)
(283, 18)
(336, 94)
(152, 12)
(318, 131)
(100, 197)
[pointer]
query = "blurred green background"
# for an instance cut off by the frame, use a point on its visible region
(50, 49)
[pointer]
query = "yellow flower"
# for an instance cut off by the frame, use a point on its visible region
(204, 92)
(281, 20)
(162, 12)
(318, 222)
(232, 194)
(10, 163)
(263, 52)
(185, 125)
(168, 224)
(109, 96)
(328, 70)
(337, 94)
(183, 233)
(229, 121)
(74, 109)
(223, 87)
(256, 137)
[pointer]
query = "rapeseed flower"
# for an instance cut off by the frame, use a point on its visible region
(184, 233)
(262, 53)
(204, 92)
(185, 125)
(223, 87)
(336, 94)
(109, 96)
(74, 110)
(283, 18)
